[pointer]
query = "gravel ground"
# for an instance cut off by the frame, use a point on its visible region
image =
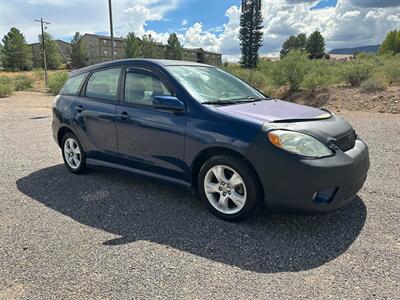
(109, 234)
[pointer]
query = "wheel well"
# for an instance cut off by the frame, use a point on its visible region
(214, 151)
(61, 132)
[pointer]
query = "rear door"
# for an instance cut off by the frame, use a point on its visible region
(148, 138)
(97, 109)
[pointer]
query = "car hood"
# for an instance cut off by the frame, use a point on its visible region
(275, 111)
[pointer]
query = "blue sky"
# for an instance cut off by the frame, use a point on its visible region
(211, 24)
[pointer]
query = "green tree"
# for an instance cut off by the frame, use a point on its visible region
(250, 35)
(391, 44)
(174, 48)
(133, 46)
(1, 56)
(16, 53)
(316, 45)
(78, 52)
(294, 42)
(53, 56)
(149, 47)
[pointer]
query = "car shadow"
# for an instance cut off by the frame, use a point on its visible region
(138, 209)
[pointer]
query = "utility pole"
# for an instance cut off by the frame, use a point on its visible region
(44, 49)
(111, 30)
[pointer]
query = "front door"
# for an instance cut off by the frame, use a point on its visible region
(148, 138)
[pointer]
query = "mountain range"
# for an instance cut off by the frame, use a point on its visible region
(369, 49)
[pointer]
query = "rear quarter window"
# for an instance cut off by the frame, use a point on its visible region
(73, 85)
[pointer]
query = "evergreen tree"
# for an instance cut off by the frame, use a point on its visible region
(78, 52)
(16, 53)
(174, 47)
(294, 42)
(133, 46)
(53, 56)
(149, 47)
(316, 45)
(250, 36)
(1, 56)
(391, 44)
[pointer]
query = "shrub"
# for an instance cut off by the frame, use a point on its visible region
(313, 81)
(375, 84)
(392, 70)
(6, 87)
(356, 72)
(291, 70)
(319, 76)
(23, 83)
(56, 82)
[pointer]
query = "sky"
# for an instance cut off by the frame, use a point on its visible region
(210, 24)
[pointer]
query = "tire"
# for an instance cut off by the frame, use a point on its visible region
(73, 155)
(224, 197)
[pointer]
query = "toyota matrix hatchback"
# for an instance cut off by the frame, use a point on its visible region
(201, 127)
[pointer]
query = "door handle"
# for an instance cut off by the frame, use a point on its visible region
(79, 108)
(124, 115)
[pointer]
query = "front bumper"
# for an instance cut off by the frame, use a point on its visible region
(290, 183)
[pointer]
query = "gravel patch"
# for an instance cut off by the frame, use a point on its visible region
(109, 234)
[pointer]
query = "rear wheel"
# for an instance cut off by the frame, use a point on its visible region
(73, 154)
(229, 188)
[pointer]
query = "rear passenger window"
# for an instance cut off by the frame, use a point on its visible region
(103, 84)
(73, 85)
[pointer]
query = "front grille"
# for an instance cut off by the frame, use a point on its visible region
(347, 142)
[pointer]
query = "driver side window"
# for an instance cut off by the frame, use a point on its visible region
(141, 87)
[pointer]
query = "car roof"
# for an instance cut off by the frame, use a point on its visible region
(138, 61)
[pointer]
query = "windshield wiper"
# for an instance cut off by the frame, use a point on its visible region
(253, 99)
(219, 102)
(237, 100)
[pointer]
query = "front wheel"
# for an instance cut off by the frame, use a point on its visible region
(229, 188)
(73, 154)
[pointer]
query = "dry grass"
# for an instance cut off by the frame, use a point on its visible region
(36, 75)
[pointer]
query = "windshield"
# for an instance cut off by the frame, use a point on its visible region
(208, 84)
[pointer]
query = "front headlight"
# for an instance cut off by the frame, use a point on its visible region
(298, 143)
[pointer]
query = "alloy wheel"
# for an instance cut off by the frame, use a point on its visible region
(225, 189)
(72, 153)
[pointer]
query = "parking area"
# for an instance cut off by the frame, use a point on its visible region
(108, 234)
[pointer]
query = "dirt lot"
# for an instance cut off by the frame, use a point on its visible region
(108, 234)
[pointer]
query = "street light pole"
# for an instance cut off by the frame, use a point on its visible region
(111, 30)
(43, 48)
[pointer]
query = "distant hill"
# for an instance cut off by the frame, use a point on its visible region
(370, 49)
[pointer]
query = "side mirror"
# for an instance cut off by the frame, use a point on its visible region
(168, 103)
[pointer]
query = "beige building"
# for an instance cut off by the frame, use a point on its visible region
(99, 50)
(63, 47)
(341, 57)
(202, 56)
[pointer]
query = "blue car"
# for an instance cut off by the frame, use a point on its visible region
(203, 128)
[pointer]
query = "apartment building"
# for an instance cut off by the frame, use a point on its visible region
(99, 50)
(63, 47)
(202, 56)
